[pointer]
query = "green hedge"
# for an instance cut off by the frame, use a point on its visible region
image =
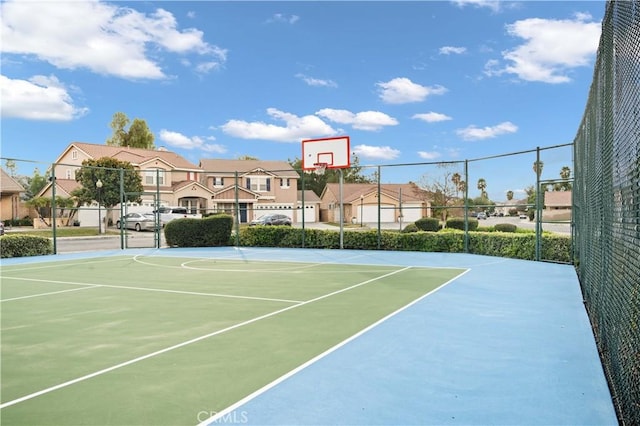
(458, 223)
(211, 231)
(555, 247)
(505, 227)
(428, 224)
(24, 245)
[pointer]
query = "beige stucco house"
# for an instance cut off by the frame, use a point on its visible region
(261, 187)
(11, 207)
(212, 186)
(398, 202)
(557, 205)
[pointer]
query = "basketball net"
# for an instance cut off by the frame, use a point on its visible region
(320, 168)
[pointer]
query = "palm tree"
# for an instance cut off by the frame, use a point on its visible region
(456, 179)
(509, 195)
(565, 173)
(482, 185)
(537, 167)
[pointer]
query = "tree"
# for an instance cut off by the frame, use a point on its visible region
(11, 167)
(443, 189)
(509, 195)
(482, 186)
(537, 167)
(247, 157)
(42, 206)
(138, 135)
(316, 182)
(565, 175)
(107, 170)
(456, 179)
(37, 182)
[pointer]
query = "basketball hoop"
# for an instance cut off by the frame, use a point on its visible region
(320, 168)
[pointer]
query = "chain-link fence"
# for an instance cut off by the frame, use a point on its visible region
(607, 204)
(361, 198)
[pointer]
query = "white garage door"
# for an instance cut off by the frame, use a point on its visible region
(370, 213)
(411, 212)
(309, 213)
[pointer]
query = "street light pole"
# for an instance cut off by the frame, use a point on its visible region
(99, 187)
(361, 208)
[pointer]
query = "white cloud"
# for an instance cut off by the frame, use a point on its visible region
(104, 38)
(541, 57)
(279, 17)
(39, 98)
(402, 90)
(366, 120)
(376, 152)
(295, 128)
(429, 155)
(448, 50)
(473, 133)
(179, 140)
(431, 117)
(493, 5)
(316, 81)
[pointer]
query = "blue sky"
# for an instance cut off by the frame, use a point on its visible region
(408, 82)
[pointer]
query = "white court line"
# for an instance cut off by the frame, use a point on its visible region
(188, 342)
(64, 264)
(159, 290)
(46, 294)
(296, 370)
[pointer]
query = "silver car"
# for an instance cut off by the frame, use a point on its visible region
(138, 221)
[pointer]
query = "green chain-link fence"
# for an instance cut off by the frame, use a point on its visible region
(607, 205)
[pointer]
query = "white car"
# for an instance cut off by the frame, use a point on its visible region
(523, 216)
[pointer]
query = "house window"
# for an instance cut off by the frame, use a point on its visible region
(151, 174)
(74, 154)
(259, 183)
(218, 181)
(70, 174)
(284, 183)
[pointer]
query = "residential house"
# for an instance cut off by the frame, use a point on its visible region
(11, 207)
(260, 187)
(557, 205)
(310, 201)
(360, 201)
(166, 176)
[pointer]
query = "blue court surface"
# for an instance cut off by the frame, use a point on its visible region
(506, 343)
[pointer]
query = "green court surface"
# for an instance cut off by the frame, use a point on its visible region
(157, 340)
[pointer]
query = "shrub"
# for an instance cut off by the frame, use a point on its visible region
(505, 227)
(514, 245)
(458, 223)
(211, 231)
(24, 245)
(410, 228)
(428, 224)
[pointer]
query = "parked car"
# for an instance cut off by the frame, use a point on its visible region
(138, 221)
(167, 214)
(523, 216)
(482, 215)
(272, 219)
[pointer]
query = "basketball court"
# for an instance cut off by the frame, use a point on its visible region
(296, 336)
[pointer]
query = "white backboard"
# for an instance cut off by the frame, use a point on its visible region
(334, 152)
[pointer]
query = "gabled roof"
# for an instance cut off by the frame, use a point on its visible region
(351, 192)
(9, 184)
(64, 187)
(309, 196)
(281, 169)
(135, 156)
